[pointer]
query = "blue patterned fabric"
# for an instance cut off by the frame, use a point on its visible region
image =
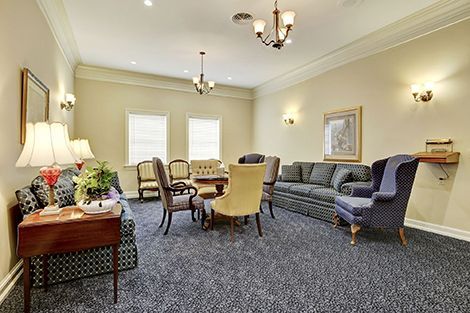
(283, 186)
(303, 189)
(322, 173)
(387, 197)
(291, 173)
(27, 201)
(340, 177)
(306, 170)
(63, 190)
(360, 172)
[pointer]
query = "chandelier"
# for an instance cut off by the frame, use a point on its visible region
(279, 34)
(201, 86)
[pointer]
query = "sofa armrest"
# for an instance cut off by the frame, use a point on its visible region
(358, 189)
(383, 196)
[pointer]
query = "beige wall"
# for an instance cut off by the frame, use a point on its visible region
(392, 122)
(100, 117)
(25, 41)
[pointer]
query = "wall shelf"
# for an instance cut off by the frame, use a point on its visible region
(438, 157)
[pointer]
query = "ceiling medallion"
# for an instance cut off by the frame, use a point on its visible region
(279, 33)
(201, 86)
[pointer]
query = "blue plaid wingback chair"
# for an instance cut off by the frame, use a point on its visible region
(383, 203)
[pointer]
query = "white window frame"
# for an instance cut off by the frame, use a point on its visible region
(146, 112)
(204, 116)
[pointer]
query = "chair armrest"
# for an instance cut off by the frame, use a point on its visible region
(269, 184)
(383, 196)
(175, 185)
(362, 191)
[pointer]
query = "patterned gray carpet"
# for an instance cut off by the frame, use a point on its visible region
(300, 265)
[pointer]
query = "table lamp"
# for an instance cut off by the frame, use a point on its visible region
(47, 145)
(82, 150)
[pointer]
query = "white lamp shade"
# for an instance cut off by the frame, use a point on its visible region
(70, 98)
(428, 86)
(82, 149)
(258, 26)
(288, 18)
(46, 145)
(195, 80)
(211, 84)
(415, 88)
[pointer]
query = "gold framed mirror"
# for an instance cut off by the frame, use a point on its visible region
(34, 101)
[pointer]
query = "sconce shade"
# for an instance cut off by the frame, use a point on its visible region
(82, 149)
(70, 98)
(46, 145)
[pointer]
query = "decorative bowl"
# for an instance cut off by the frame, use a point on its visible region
(98, 206)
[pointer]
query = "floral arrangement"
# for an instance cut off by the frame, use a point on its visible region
(94, 184)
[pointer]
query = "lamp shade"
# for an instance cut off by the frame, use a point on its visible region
(46, 145)
(82, 150)
(288, 18)
(258, 26)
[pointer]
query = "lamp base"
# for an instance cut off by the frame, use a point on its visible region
(50, 210)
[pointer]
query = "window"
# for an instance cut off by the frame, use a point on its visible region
(147, 136)
(203, 137)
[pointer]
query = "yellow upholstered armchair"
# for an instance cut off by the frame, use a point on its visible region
(179, 171)
(146, 179)
(243, 195)
(203, 168)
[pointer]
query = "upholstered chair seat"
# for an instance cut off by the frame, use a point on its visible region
(203, 168)
(171, 203)
(384, 203)
(146, 179)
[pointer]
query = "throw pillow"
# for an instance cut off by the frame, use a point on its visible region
(341, 177)
(115, 183)
(322, 173)
(64, 191)
(27, 201)
(291, 173)
(306, 170)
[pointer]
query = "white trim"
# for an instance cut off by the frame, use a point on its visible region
(439, 15)
(147, 112)
(438, 229)
(204, 116)
(154, 81)
(135, 195)
(7, 283)
(56, 16)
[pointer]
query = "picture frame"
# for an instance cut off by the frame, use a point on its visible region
(342, 140)
(34, 101)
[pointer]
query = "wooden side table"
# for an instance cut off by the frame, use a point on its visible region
(71, 231)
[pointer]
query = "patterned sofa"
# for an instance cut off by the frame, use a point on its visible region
(311, 188)
(68, 266)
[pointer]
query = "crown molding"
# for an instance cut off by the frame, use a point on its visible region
(56, 17)
(437, 16)
(154, 81)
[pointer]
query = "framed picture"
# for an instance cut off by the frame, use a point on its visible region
(34, 101)
(343, 135)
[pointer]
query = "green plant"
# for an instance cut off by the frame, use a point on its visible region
(94, 183)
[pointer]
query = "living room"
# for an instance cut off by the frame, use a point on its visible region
(138, 59)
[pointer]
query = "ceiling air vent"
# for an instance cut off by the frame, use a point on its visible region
(242, 18)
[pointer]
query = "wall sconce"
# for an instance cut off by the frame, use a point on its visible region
(422, 92)
(69, 102)
(288, 118)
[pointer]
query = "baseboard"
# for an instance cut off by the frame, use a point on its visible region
(7, 284)
(135, 194)
(438, 229)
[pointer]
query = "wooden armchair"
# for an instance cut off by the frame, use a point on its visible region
(179, 171)
(270, 177)
(146, 179)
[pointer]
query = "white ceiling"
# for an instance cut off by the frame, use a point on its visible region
(165, 39)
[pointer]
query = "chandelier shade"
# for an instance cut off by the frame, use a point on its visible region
(201, 86)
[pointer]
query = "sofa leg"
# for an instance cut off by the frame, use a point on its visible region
(355, 228)
(401, 233)
(163, 218)
(169, 223)
(258, 223)
(335, 220)
(270, 203)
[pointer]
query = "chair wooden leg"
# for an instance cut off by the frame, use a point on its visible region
(203, 218)
(141, 196)
(246, 219)
(355, 228)
(192, 216)
(270, 203)
(401, 233)
(335, 220)
(163, 218)
(169, 223)
(198, 215)
(212, 219)
(258, 223)
(231, 228)
(261, 208)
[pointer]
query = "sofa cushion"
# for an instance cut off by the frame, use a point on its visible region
(340, 177)
(360, 172)
(326, 194)
(115, 182)
(306, 170)
(303, 189)
(283, 186)
(27, 201)
(353, 205)
(322, 173)
(64, 191)
(291, 173)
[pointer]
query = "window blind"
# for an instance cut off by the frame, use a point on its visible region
(147, 137)
(204, 138)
